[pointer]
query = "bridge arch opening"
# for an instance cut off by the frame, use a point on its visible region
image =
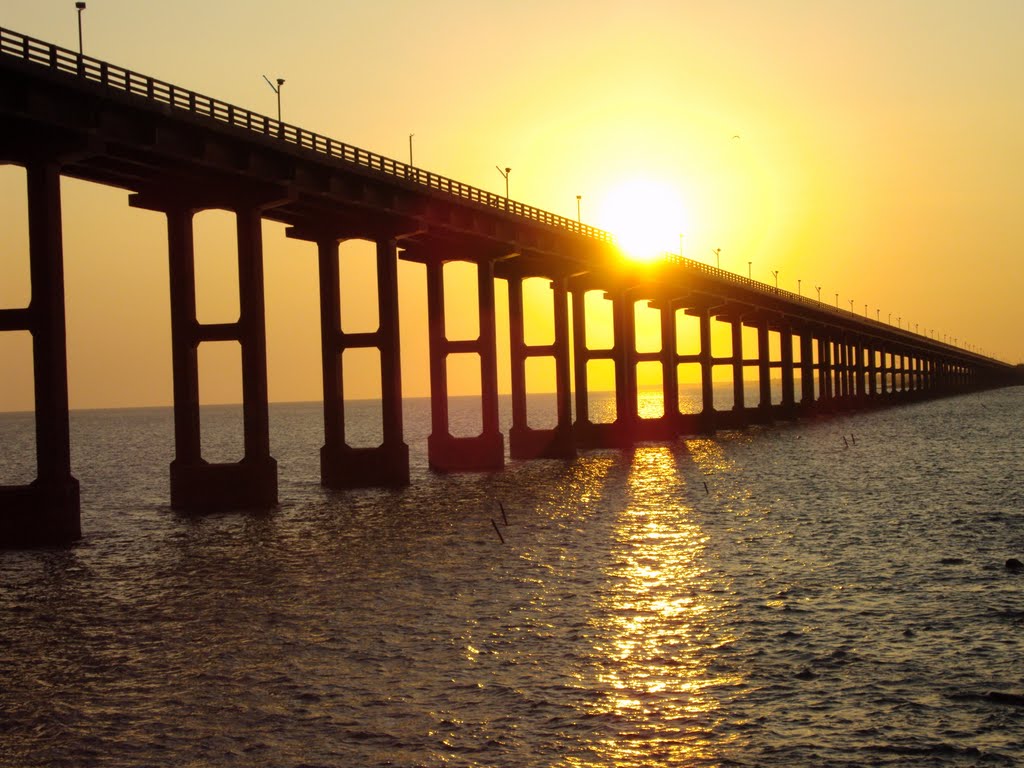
(540, 383)
(650, 397)
(364, 414)
(539, 313)
(220, 391)
(216, 266)
(357, 281)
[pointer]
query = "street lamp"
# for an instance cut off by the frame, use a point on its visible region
(718, 257)
(579, 220)
(878, 315)
(775, 274)
(276, 89)
(410, 148)
(818, 289)
(799, 290)
(80, 6)
(851, 306)
(505, 173)
(750, 272)
(837, 301)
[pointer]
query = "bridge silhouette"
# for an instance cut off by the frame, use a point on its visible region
(179, 152)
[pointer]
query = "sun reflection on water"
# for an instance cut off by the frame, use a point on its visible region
(657, 618)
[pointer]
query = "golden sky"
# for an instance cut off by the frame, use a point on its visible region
(879, 156)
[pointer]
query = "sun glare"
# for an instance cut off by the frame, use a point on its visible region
(645, 216)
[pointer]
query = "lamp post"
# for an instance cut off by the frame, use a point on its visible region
(276, 89)
(818, 289)
(799, 290)
(750, 270)
(505, 173)
(851, 306)
(878, 315)
(775, 274)
(718, 257)
(837, 301)
(579, 220)
(80, 6)
(410, 147)
(680, 245)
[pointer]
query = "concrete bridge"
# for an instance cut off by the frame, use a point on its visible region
(180, 152)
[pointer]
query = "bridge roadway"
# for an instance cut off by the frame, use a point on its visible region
(180, 152)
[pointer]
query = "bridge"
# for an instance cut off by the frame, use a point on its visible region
(180, 152)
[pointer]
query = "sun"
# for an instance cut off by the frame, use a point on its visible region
(645, 216)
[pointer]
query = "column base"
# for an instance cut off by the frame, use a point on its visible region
(248, 484)
(40, 514)
(527, 443)
(385, 466)
(484, 453)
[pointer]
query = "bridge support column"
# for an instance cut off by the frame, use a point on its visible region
(788, 376)
(524, 441)
(872, 373)
(806, 370)
(341, 465)
(197, 485)
(47, 511)
(825, 374)
(669, 357)
(486, 451)
(624, 356)
(708, 418)
(739, 408)
(764, 373)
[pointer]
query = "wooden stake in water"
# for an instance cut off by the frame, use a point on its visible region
(706, 491)
(497, 530)
(846, 442)
(503, 517)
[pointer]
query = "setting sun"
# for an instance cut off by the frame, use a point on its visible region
(646, 216)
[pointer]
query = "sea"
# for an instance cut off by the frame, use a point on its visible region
(826, 592)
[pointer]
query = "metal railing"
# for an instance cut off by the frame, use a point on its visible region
(159, 92)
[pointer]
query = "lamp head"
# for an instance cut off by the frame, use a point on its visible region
(80, 5)
(280, 81)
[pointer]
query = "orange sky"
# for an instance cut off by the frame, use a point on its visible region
(879, 156)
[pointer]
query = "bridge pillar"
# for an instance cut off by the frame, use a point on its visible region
(197, 485)
(764, 373)
(618, 433)
(526, 442)
(872, 372)
(788, 375)
(738, 391)
(45, 512)
(445, 452)
(669, 356)
(342, 465)
(825, 374)
(806, 369)
(625, 358)
(708, 420)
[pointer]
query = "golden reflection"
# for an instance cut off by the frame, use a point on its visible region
(658, 619)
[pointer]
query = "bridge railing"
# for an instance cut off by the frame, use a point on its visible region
(158, 91)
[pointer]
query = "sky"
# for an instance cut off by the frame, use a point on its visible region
(872, 149)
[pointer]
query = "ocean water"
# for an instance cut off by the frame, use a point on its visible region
(823, 593)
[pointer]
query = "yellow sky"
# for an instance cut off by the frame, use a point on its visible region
(879, 155)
